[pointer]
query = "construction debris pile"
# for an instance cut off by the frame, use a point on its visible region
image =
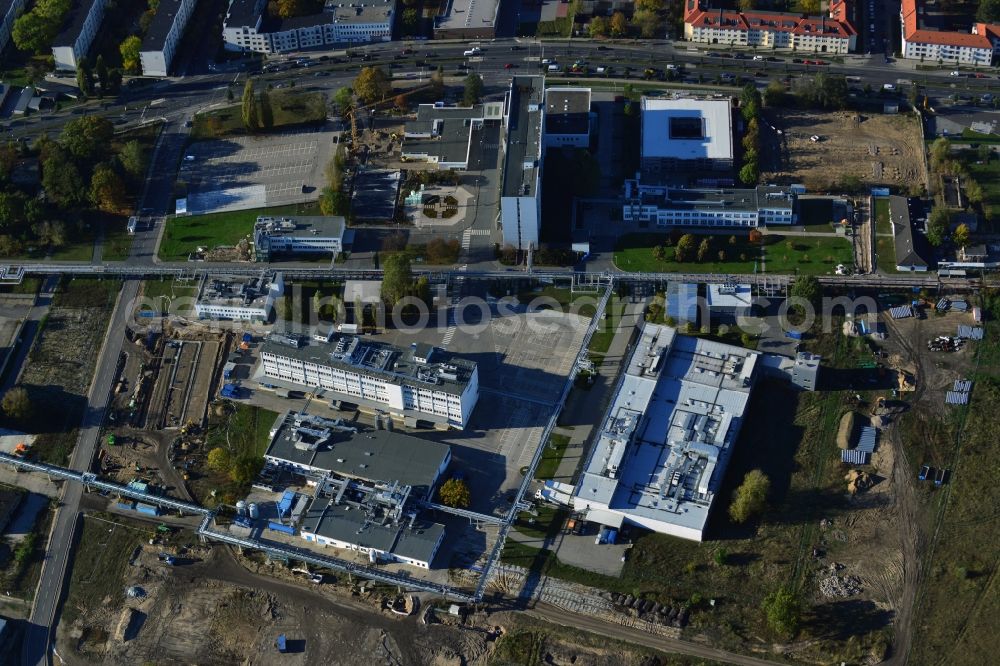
(835, 586)
(858, 481)
(651, 611)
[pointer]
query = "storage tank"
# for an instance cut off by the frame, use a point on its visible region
(254, 511)
(241, 508)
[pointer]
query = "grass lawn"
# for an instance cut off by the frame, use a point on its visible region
(290, 107)
(29, 285)
(987, 175)
(553, 455)
(87, 293)
(583, 303)
(244, 432)
(805, 255)
(546, 524)
(186, 234)
(161, 293)
(883, 227)
(600, 341)
(117, 241)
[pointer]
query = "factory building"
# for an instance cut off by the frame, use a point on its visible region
(297, 235)
(467, 19)
(668, 435)
(764, 205)
(239, 299)
(416, 383)
(368, 486)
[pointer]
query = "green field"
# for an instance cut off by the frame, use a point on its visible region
(806, 255)
(290, 107)
(883, 226)
(186, 234)
(553, 455)
(243, 432)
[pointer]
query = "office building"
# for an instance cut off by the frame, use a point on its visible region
(684, 134)
(665, 441)
(520, 193)
(247, 27)
(831, 34)
(369, 486)
(240, 298)
(417, 383)
(664, 206)
(274, 236)
(163, 35)
(925, 41)
(449, 136)
(567, 117)
(81, 27)
(467, 19)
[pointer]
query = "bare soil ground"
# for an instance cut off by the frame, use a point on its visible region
(877, 149)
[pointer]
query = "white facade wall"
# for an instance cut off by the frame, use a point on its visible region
(282, 243)
(776, 39)
(247, 38)
(157, 62)
(966, 55)
(381, 554)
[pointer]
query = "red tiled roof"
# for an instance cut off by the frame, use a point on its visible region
(772, 21)
(912, 32)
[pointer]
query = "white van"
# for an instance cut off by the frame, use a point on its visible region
(473, 51)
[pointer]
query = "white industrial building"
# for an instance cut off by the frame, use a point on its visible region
(417, 383)
(163, 35)
(239, 298)
(682, 134)
(668, 435)
(298, 235)
(368, 486)
(248, 28)
(521, 191)
(567, 117)
(447, 135)
(74, 41)
(664, 206)
(9, 11)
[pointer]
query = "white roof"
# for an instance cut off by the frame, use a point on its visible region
(717, 129)
(729, 296)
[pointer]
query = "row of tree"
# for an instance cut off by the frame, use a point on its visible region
(750, 107)
(35, 31)
(99, 80)
(647, 21)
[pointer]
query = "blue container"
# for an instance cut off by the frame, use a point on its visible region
(127, 506)
(148, 509)
(278, 527)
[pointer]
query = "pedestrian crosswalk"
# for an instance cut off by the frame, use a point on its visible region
(469, 233)
(449, 332)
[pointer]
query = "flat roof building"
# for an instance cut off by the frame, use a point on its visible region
(467, 19)
(520, 195)
(685, 133)
(239, 298)
(79, 30)
(163, 35)
(764, 205)
(567, 117)
(728, 301)
(668, 435)
(298, 235)
(448, 135)
(437, 386)
(248, 28)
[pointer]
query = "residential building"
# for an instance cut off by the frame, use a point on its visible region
(9, 11)
(239, 298)
(684, 134)
(664, 443)
(163, 35)
(520, 193)
(467, 19)
(432, 386)
(567, 117)
(81, 27)
(911, 248)
(298, 235)
(248, 28)
(922, 40)
(832, 34)
(369, 486)
(764, 205)
(449, 136)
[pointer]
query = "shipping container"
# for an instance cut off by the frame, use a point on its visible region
(148, 509)
(278, 527)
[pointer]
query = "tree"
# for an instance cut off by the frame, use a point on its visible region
(750, 497)
(410, 20)
(134, 161)
(809, 6)
(130, 49)
(36, 30)
(332, 202)
(619, 26)
(88, 138)
(61, 179)
(722, 255)
(649, 5)
(808, 288)
(783, 612)
(649, 23)
(598, 27)
(8, 159)
(245, 470)
(101, 69)
(289, 8)
(961, 235)
(372, 85)
(218, 460)
(750, 173)
(774, 94)
(455, 492)
(658, 252)
(16, 403)
(747, 5)
(84, 77)
(12, 215)
(437, 82)
(107, 189)
(756, 236)
(704, 248)
(937, 225)
(939, 152)
(344, 99)
(685, 248)
(265, 113)
(248, 107)
(973, 191)
(473, 89)
(397, 278)
(989, 11)
(400, 102)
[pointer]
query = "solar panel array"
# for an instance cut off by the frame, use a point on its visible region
(970, 332)
(943, 304)
(956, 398)
(866, 442)
(901, 312)
(960, 306)
(963, 385)
(854, 457)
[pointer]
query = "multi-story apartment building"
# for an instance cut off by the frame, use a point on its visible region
(81, 27)
(668, 207)
(417, 383)
(164, 34)
(247, 28)
(9, 11)
(921, 41)
(775, 30)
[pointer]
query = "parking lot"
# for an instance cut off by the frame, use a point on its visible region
(256, 171)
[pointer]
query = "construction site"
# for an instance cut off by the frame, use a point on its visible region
(876, 149)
